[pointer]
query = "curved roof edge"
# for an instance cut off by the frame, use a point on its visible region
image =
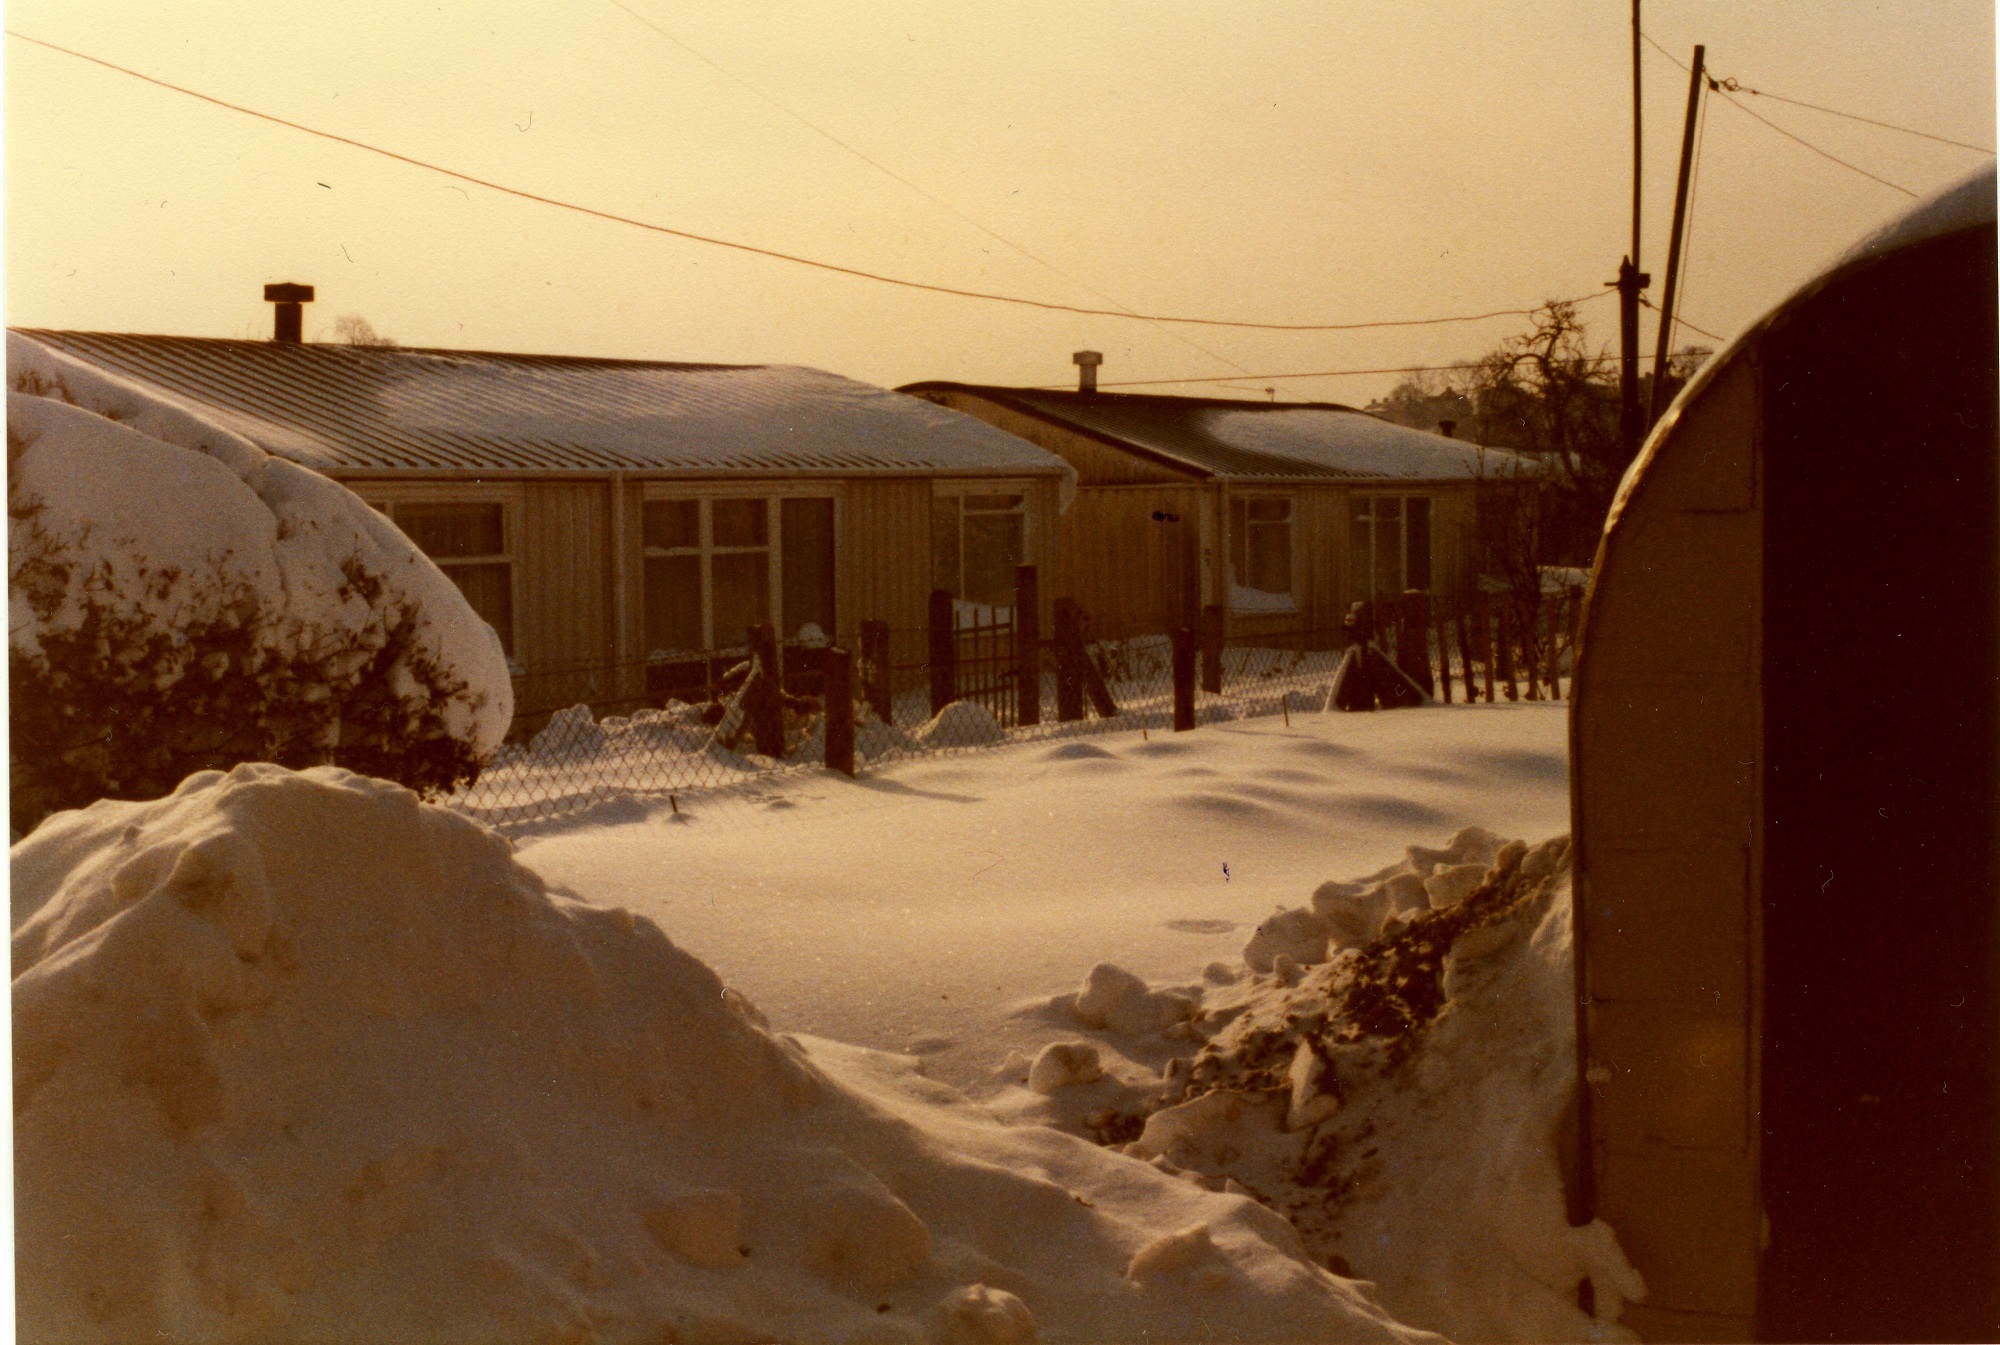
(1967, 204)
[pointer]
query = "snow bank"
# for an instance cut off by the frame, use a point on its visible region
(1398, 1101)
(298, 1056)
(152, 550)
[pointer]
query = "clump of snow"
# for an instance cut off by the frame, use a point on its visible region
(961, 724)
(571, 734)
(178, 598)
(1062, 1064)
(1243, 598)
(1116, 1000)
(1297, 934)
(299, 1056)
(1356, 912)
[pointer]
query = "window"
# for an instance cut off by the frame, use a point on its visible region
(716, 566)
(469, 543)
(976, 543)
(1389, 544)
(1260, 552)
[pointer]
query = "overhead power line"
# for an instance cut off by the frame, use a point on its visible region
(1717, 87)
(1737, 86)
(772, 253)
(892, 174)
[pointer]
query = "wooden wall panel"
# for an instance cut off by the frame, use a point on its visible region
(1666, 741)
(1096, 463)
(1128, 570)
(564, 565)
(884, 563)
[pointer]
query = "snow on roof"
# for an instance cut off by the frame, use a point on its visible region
(1230, 438)
(358, 409)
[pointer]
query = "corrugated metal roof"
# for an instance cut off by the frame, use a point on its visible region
(349, 410)
(1227, 438)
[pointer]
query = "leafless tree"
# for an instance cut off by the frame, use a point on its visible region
(354, 330)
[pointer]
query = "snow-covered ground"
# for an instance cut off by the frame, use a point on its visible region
(920, 905)
(297, 1056)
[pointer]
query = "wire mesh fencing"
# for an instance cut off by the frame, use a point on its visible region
(715, 725)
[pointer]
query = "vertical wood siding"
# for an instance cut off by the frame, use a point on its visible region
(563, 569)
(1125, 568)
(884, 561)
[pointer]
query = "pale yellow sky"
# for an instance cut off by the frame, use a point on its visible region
(1283, 162)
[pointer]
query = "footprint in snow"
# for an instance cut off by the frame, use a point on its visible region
(1201, 926)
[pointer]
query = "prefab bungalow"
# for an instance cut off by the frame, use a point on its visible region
(1785, 779)
(1282, 513)
(623, 523)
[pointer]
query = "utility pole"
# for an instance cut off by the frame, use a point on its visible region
(1667, 294)
(1631, 280)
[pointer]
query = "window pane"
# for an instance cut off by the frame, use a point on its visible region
(1388, 545)
(992, 550)
(992, 503)
(1417, 522)
(1271, 557)
(742, 596)
(740, 523)
(1269, 510)
(808, 570)
(490, 591)
(444, 531)
(673, 604)
(669, 523)
(944, 544)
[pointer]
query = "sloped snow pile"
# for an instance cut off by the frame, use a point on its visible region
(1391, 1077)
(961, 724)
(300, 1057)
(179, 599)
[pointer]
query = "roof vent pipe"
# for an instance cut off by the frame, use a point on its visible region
(1086, 362)
(291, 318)
(1447, 427)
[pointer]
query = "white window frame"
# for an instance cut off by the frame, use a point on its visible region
(1266, 601)
(1363, 585)
(705, 494)
(957, 488)
(386, 496)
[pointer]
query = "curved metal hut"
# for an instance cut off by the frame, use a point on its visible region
(1784, 741)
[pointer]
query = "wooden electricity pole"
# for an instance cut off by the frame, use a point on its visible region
(1662, 349)
(1631, 280)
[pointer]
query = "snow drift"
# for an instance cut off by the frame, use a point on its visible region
(178, 598)
(299, 1056)
(1391, 1075)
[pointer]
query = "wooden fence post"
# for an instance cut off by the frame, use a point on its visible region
(1212, 637)
(1483, 617)
(1465, 654)
(1442, 625)
(1185, 643)
(1069, 661)
(1413, 637)
(875, 666)
(943, 651)
(763, 706)
(839, 722)
(1550, 625)
(1027, 645)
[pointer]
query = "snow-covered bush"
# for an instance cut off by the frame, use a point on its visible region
(180, 600)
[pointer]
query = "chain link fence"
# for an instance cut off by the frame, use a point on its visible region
(673, 730)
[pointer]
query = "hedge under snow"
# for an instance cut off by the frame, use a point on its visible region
(179, 599)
